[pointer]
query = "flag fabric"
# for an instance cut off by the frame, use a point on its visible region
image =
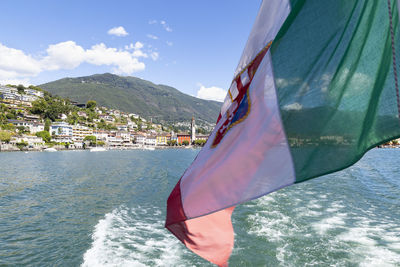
(313, 91)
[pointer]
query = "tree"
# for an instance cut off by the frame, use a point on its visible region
(23, 129)
(171, 143)
(47, 124)
(199, 142)
(91, 139)
(21, 89)
(8, 126)
(91, 104)
(22, 145)
(5, 136)
(185, 142)
(45, 135)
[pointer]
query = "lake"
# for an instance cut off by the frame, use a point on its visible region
(80, 208)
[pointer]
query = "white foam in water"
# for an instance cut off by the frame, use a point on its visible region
(368, 251)
(132, 237)
(328, 229)
(335, 221)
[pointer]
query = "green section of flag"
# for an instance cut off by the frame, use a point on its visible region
(333, 70)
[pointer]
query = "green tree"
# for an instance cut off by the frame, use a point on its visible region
(23, 129)
(91, 139)
(45, 135)
(185, 142)
(21, 89)
(5, 136)
(22, 145)
(91, 104)
(8, 127)
(11, 116)
(171, 143)
(47, 123)
(199, 142)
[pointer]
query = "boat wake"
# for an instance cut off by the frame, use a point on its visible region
(133, 237)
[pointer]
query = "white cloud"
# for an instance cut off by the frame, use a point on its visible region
(124, 61)
(65, 55)
(211, 93)
(165, 26)
(151, 36)
(139, 53)
(136, 46)
(154, 55)
(163, 23)
(118, 31)
(17, 67)
(170, 43)
(14, 63)
(24, 82)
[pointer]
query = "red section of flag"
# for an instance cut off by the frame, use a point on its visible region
(210, 236)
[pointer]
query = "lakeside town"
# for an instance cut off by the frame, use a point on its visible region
(31, 119)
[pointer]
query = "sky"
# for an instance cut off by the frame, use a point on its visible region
(193, 46)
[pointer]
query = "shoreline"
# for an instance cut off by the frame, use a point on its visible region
(150, 148)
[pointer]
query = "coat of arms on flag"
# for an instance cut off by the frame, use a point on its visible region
(237, 105)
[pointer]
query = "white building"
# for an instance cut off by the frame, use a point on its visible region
(33, 141)
(151, 140)
(122, 127)
(133, 115)
(62, 138)
(101, 136)
(61, 128)
(29, 98)
(140, 139)
(125, 136)
(32, 126)
(34, 92)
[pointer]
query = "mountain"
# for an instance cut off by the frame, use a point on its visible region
(134, 95)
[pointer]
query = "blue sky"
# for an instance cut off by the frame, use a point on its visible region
(193, 46)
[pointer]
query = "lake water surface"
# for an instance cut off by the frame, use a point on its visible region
(79, 208)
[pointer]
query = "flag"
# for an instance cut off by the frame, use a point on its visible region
(313, 91)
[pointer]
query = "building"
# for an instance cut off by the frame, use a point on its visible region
(11, 96)
(125, 136)
(161, 140)
(61, 128)
(101, 135)
(79, 132)
(202, 137)
(29, 98)
(151, 140)
(183, 137)
(107, 118)
(34, 92)
(122, 127)
(193, 130)
(140, 138)
(33, 141)
(32, 126)
(62, 138)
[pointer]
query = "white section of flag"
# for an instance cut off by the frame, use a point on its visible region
(269, 20)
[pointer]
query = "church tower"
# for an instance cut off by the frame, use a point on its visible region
(193, 130)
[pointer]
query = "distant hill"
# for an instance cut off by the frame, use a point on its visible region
(134, 95)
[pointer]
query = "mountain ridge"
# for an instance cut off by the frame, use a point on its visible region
(134, 95)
